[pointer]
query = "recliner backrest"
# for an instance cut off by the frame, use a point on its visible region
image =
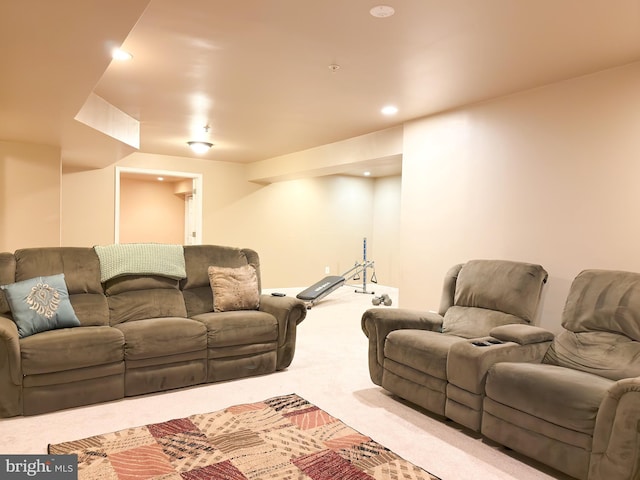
(602, 321)
(604, 301)
(7, 275)
(490, 293)
(196, 288)
(81, 269)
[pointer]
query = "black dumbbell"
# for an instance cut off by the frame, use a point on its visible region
(384, 299)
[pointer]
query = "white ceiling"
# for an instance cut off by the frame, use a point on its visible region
(257, 71)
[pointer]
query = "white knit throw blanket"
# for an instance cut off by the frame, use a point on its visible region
(141, 259)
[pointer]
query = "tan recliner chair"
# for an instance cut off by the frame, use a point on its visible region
(578, 408)
(409, 349)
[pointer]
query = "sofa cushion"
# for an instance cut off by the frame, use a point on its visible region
(81, 270)
(91, 309)
(234, 288)
(604, 301)
(70, 349)
(606, 354)
(40, 304)
(509, 287)
(160, 337)
(226, 329)
(560, 396)
(7, 275)
(136, 305)
(473, 322)
(196, 288)
(421, 350)
(130, 283)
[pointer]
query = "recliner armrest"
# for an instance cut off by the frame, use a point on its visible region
(10, 369)
(381, 321)
(521, 334)
(377, 323)
(289, 312)
(615, 438)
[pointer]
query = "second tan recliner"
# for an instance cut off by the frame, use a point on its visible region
(409, 349)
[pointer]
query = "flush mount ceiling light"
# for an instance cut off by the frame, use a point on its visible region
(382, 11)
(200, 147)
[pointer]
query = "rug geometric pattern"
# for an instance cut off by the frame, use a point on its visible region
(284, 437)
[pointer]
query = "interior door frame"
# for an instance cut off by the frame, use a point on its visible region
(196, 178)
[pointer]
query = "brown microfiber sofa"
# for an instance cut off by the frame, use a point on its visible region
(576, 407)
(409, 350)
(137, 333)
(570, 401)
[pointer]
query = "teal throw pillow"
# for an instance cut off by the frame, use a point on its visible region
(40, 304)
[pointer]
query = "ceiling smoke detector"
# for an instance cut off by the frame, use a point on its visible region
(382, 11)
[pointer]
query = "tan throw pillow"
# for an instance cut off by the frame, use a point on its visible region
(234, 288)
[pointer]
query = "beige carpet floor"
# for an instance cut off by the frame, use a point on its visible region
(330, 370)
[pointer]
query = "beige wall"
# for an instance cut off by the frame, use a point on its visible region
(298, 227)
(88, 206)
(547, 176)
(88, 197)
(150, 211)
(385, 247)
(29, 196)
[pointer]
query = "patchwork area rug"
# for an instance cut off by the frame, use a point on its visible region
(283, 437)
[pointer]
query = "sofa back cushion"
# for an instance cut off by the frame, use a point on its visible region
(606, 354)
(482, 294)
(602, 321)
(473, 322)
(81, 271)
(7, 276)
(139, 297)
(502, 285)
(604, 301)
(196, 288)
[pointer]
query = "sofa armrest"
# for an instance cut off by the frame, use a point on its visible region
(468, 362)
(10, 369)
(521, 334)
(377, 323)
(616, 437)
(289, 312)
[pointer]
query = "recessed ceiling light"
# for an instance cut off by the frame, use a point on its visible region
(382, 11)
(121, 55)
(161, 179)
(389, 110)
(366, 174)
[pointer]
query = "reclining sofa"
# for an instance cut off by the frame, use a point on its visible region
(409, 349)
(576, 407)
(80, 326)
(570, 401)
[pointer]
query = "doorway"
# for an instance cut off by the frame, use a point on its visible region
(146, 202)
